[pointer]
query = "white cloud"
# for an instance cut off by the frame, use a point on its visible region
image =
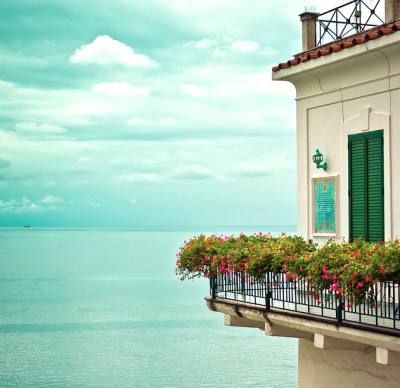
(78, 183)
(43, 128)
(195, 172)
(25, 201)
(7, 204)
(123, 89)
(205, 43)
(246, 169)
(92, 203)
(84, 159)
(136, 178)
(133, 200)
(193, 90)
(33, 208)
(219, 52)
(50, 183)
(267, 50)
(245, 47)
(24, 205)
(104, 50)
(137, 121)
(167, 121)
(51, 199)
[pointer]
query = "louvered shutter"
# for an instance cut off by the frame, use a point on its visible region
(366, 181)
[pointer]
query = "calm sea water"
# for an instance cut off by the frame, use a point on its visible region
(103, 308)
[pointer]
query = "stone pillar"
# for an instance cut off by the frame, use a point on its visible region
(308, 25)
(392, 8)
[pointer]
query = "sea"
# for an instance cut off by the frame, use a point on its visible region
(102, 307)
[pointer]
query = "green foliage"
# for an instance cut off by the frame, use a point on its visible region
(347, 269)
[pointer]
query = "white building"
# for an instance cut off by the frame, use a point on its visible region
(348, 108)
(348, 95)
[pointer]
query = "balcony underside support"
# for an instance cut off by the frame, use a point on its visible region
(231, 320)
(327, 342)
(387, 357)
(281, 331)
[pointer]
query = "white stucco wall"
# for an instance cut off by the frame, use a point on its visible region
(343, 368)
(344, 93)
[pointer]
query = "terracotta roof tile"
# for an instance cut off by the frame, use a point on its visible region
(342, 44)
(293, 62)
(372, 35)
(312, 55)
(323, 52)
(385, 31)
(358, 40)
(334, 48)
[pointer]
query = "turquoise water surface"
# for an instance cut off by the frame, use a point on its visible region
(103, 308)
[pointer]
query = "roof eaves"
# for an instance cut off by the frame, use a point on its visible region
(339, 45)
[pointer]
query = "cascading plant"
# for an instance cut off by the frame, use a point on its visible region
(345, 269)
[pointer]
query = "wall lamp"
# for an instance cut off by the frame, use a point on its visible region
(318, 158)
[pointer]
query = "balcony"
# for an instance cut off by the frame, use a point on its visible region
(275, 293)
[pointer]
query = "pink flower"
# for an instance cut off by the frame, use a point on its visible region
(367, 279)
(288, 258)
(324, 269)
(294, 277)
(241, 234)
(287, 275)
(360, 284)
(228, 257)
(381, 267)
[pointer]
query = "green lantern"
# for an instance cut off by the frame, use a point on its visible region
(318, 158)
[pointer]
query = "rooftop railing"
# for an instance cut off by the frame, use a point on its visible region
(350, 18)
(275, 292)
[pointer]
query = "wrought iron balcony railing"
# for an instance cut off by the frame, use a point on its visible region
(277, 293)
(348, 19)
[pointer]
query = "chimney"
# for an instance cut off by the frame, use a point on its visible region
(308, 26)
(392, 9)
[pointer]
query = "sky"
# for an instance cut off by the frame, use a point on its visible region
(147, 112)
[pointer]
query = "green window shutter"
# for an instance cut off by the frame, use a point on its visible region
(357, 175)
(366, 205)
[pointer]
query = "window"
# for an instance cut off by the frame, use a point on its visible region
(366, 183)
